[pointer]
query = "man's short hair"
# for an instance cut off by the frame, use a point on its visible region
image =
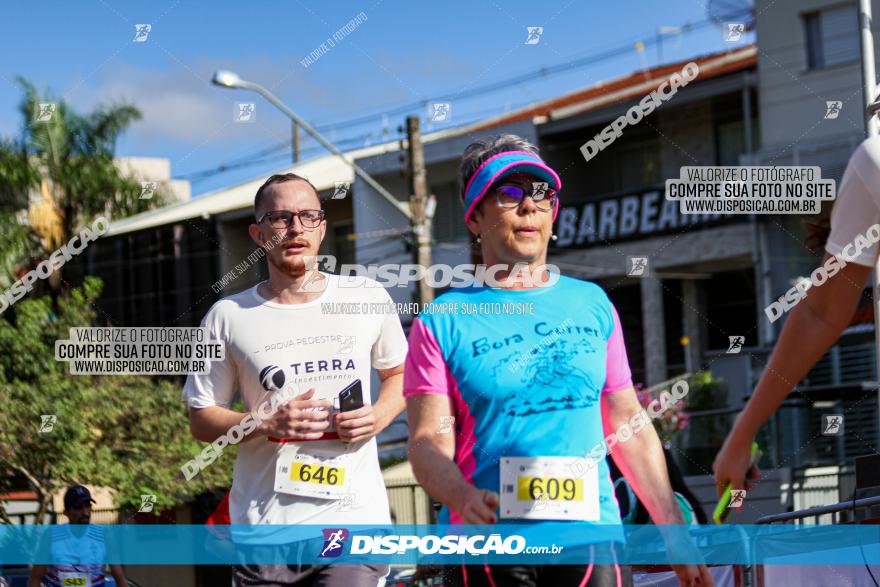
(280, 178)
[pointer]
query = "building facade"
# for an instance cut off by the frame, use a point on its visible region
(707, 278)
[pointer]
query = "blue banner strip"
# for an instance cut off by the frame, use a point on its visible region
(544, 543)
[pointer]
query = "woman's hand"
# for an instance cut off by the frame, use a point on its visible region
(477, 506)
(693, 575)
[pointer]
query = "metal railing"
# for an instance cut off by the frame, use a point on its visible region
(834, 510)
(815, 487)
(99, 516)
(409, 503)
(844, 512)
(843, 364)
(23, 518)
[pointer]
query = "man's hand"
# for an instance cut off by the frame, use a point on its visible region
(302, 418)
(357, 425)
(693, 575)
(477, 506)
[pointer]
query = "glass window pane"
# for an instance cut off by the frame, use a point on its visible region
(813, 39)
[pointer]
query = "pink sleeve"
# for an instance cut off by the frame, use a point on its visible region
(617, 374)
(425, 370)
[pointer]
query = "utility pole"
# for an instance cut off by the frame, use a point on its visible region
(659, 48)
(295, 142)
(661, 32)
(421, 206)
(868, 72)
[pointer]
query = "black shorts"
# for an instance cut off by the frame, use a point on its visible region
(309, 575)
(535, 575)
(585, 574)
(297, 574)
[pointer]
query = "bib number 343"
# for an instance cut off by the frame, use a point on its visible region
(75, 580)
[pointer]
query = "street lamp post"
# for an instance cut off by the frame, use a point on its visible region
(228, 79)
(419, 216)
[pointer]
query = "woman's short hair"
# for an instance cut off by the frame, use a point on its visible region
(477, 152)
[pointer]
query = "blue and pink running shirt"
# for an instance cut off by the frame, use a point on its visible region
(522, 384)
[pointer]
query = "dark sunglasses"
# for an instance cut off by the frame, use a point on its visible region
(511, 195)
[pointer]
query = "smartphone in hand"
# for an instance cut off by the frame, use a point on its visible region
(352, 397)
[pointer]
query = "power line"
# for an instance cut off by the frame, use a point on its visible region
(488, 88)
(284, 148)
(260, 158)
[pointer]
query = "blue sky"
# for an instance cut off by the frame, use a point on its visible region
(403, 53)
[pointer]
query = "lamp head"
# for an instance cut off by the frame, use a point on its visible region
(226, 79)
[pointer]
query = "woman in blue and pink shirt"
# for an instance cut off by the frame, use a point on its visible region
(532, 395)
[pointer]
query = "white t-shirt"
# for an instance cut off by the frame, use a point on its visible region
(271, 346)
(858, 202)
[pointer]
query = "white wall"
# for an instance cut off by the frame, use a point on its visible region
(159, 170)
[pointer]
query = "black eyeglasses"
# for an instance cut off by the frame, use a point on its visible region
(510, 195)
(284, 218)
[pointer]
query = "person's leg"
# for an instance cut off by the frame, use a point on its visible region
(287, 575)
(271, 575)
(587, 574)
(351, 575)
(491, 576)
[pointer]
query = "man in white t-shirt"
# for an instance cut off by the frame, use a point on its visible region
(308, 463)
(858, 203)
(818, 320)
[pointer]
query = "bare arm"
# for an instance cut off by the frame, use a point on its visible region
(431, 454)
(642, 462)
(37, 574)
(370, 420)
(296, 418)
(390, 403)
(208, 424)
(813, 327)
(39, 571)
(118, 575)
(640, 458)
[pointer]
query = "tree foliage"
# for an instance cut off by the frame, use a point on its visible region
(58, 175)
(128, 433)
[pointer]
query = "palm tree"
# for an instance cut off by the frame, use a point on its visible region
(59, 175)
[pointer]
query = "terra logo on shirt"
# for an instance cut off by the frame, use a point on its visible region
(272, 377)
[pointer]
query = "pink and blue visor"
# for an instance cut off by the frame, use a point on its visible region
(504, 164)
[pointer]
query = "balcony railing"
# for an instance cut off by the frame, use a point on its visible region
(844, 364)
